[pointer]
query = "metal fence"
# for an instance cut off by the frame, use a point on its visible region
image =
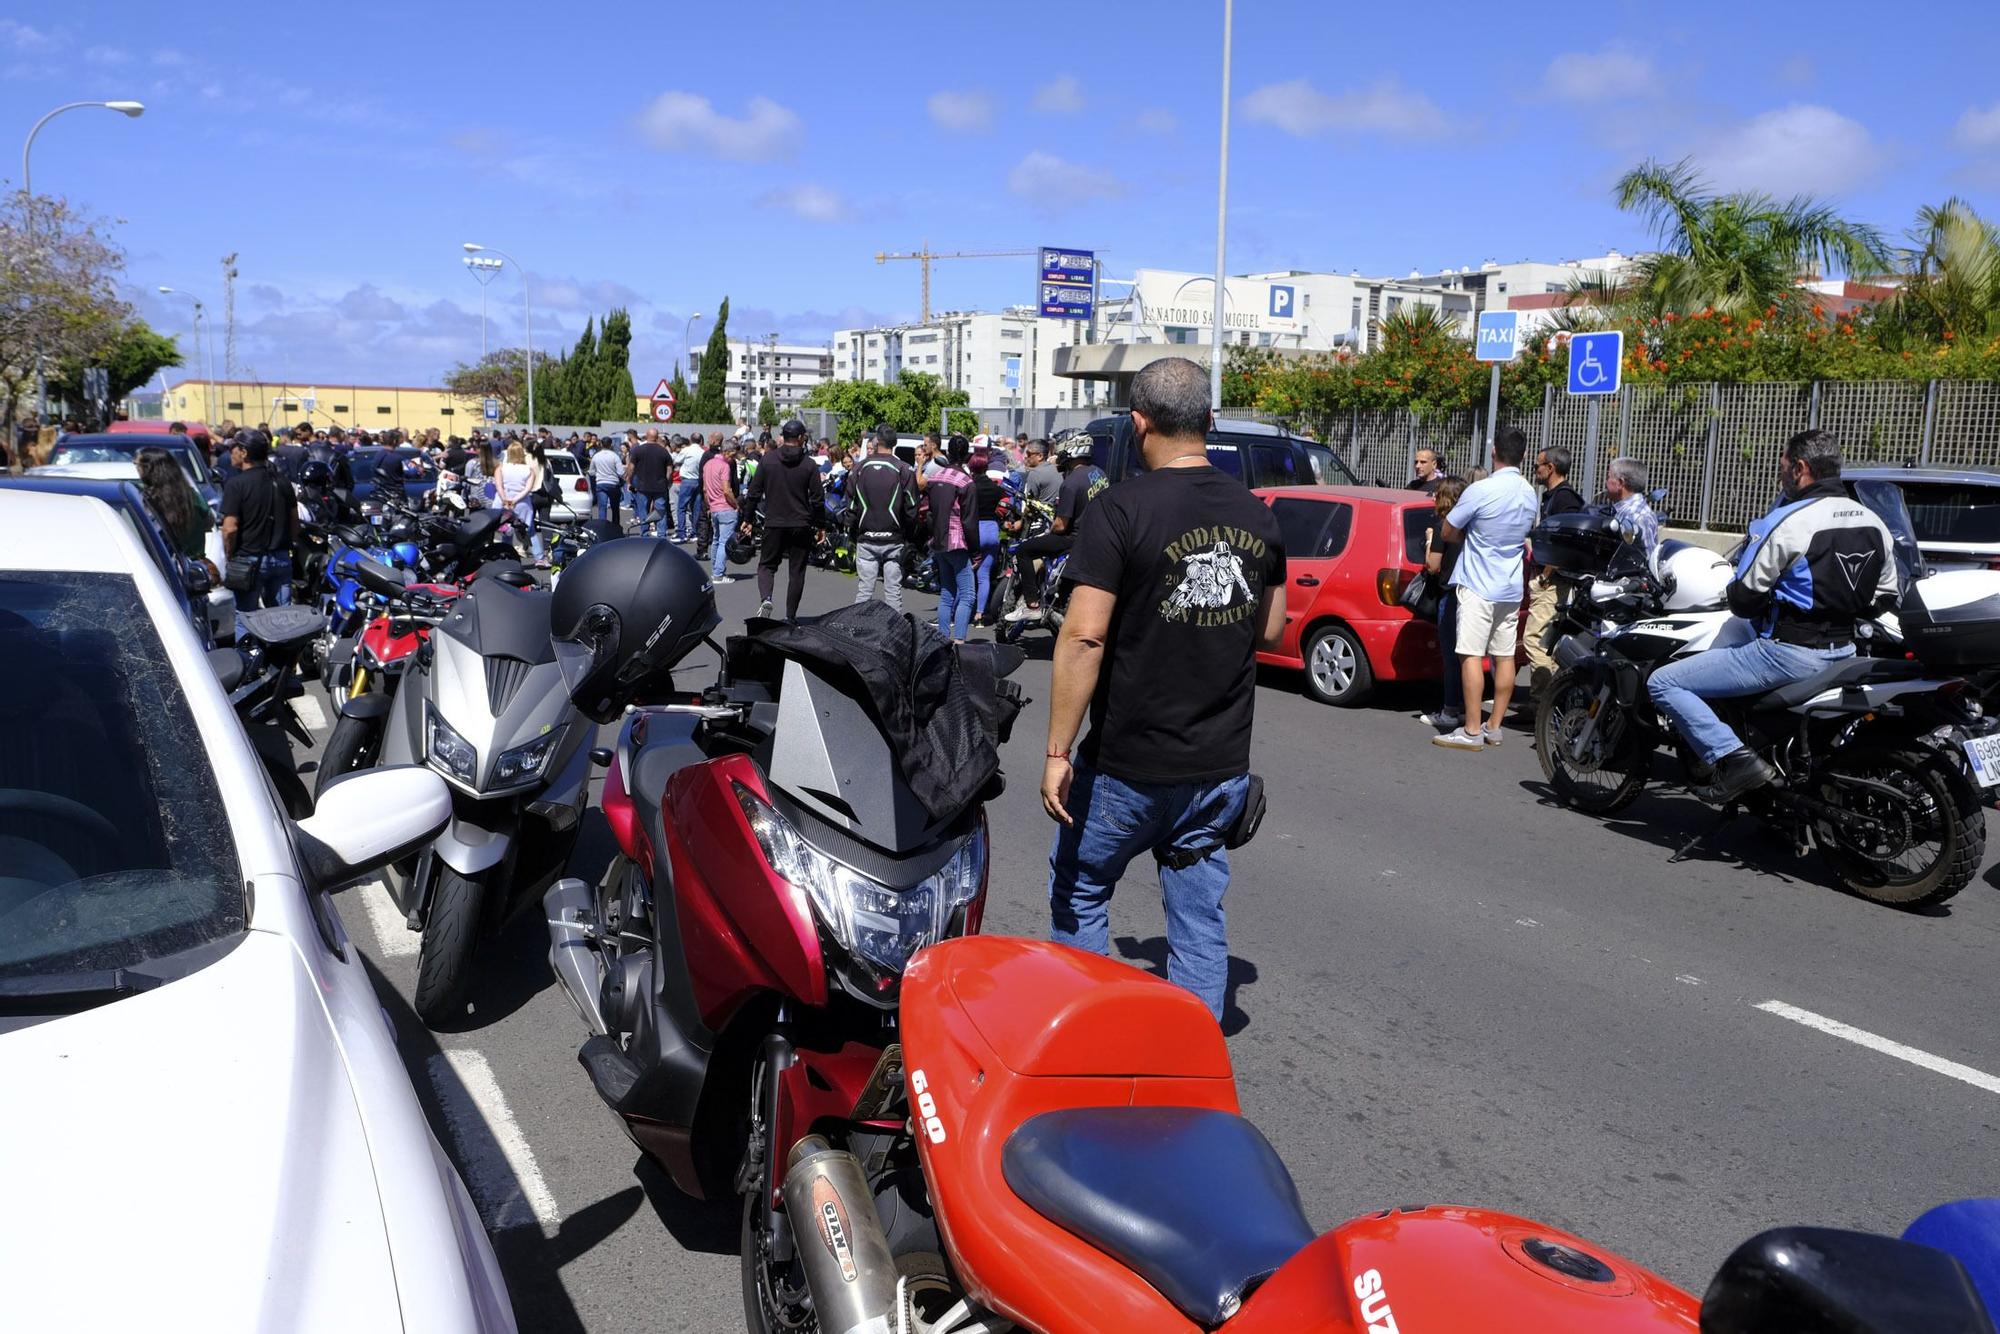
(1713, 446)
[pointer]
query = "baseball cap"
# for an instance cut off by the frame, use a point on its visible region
(793, 429)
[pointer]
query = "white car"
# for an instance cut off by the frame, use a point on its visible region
(206, 1122)
(577, 502)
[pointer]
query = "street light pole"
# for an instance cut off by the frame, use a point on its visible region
(484, 271)
(527, 322)
(127, 109)
(687, 340)
(201, 357)
(1221, 219)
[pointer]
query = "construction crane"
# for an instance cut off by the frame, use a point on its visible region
(229, 316)
(926, 255)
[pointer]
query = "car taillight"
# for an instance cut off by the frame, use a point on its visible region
(1389, 585)
(581, 486)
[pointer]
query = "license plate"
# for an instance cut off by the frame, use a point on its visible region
(1984, 752)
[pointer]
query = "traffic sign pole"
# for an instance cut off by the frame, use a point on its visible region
(1492, 405)
(1590, 441)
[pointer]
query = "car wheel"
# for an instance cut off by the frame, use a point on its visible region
(1337, 670)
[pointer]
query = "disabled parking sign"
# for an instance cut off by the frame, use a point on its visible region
(1595, 362)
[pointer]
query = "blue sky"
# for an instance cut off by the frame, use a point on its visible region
(768, 151)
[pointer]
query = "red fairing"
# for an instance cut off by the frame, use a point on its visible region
(386, 647)
(998, 1030)
(818, 1086)
(744, 929)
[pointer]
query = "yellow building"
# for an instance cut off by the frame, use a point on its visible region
(369, 407)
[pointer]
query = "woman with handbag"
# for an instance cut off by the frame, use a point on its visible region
(1441, 556)
(517, 492)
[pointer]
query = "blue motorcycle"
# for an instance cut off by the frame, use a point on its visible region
(345, 605)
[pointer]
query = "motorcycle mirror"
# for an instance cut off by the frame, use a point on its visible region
(1811, 1280)
(377, 577)
(1969, 1230)
(366, 820)
(601, 756)
(195, 578)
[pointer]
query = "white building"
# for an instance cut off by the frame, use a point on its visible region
(1535, 288)
(1004, 360)
(785, 371)
(1292, 309)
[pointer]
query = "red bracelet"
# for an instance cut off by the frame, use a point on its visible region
(1062, 755)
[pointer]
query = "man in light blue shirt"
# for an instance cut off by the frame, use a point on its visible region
(1492, 519)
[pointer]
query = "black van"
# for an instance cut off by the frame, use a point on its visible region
(1259, 454)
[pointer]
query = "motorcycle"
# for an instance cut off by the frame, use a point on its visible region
(738, 964)
(1083, 1154)
(1881, 757)
(260, 674)
(486, 707)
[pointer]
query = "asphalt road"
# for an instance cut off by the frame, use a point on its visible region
(1444, 989)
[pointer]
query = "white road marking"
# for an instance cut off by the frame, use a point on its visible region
(392, 930)
(1526, 921)
(1688, 978)
(493, 1155)
(310, 712)
(1965, 1074)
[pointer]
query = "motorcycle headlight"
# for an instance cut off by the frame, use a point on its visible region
(524, 764)
(880, 926)
(449, 753)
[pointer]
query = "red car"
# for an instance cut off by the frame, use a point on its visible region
(1349, 553)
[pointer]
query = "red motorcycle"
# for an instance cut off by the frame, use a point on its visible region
(739, 963)
(1089, 1169)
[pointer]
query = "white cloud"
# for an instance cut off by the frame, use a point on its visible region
(1054, 184)
(960, 111)
(1978, 129)
(105, 55)
(1385, 108)
(1609, 75)
(689, 122)
(1156, 120)
(168, 58)
(1799, 149)
(813, 203)
(1062, 95)
(21, 37)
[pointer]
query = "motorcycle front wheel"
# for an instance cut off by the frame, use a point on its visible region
(1611, 772)
(352, 746)
(1910, 850)
(444, 961)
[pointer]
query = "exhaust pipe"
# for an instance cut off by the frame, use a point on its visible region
(567, 906)
(841, 1245)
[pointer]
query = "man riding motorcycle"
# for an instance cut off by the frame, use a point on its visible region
(1811, 568)
(1082, 482)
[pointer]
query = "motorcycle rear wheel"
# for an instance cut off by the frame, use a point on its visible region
(444, 961)
(1947, 835)
(1616, 781)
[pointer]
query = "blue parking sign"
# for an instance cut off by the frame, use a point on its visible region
(1282, 298)
(1596, 361)
(1499, 334)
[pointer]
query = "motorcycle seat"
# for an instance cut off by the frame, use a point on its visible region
(283, 625)
(1193, 1200)
(1848, 672)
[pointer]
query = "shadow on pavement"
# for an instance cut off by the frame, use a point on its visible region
(530, 1261)
(1153, 953)
(711, 1227)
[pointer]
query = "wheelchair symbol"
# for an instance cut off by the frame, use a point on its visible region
(1590, 371)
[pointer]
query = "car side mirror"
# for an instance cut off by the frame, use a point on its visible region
(1811, 1280)
(366, 820)
(195, 578)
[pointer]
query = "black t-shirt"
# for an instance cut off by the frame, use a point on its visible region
(1081, 485)
(456, 458)
(651, 465)
(1188, 552)
(986, 496)
(1447, 554)
(262, 503)
(1562, 498)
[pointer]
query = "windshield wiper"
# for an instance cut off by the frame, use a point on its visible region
(38, 993)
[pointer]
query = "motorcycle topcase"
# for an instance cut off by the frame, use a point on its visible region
(1952, 620)
(1580, 542)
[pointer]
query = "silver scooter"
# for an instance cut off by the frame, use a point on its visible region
(485, 706)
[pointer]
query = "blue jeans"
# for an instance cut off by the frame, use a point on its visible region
(1453, 680)
(686, 496)
(1680, 690)
(649, 512)
(1115, 822)
(524, 520)
(725, 528)
(955, 587)
(274, 582)
(607, 502)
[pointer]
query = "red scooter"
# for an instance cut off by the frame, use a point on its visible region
(1089, 1170)
(739, 963)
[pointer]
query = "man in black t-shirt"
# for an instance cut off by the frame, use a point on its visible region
(1558, 497)
(648, 468)
(1082, 482)
(260, 522)
(1179, 578)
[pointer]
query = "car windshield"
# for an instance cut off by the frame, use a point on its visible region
(114, 847)
(106, 452)
(1954, 512)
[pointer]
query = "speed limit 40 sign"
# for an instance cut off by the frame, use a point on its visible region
(663, 409)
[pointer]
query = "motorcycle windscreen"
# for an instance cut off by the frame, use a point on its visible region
(828, 754)
(1886, 499)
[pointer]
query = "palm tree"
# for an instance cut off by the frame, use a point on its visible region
(1738, 252)
(1951, 278)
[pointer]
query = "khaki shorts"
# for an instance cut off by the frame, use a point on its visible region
(1486, 628)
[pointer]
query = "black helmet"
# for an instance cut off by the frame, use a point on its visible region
(624, 613)
(315, 474)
